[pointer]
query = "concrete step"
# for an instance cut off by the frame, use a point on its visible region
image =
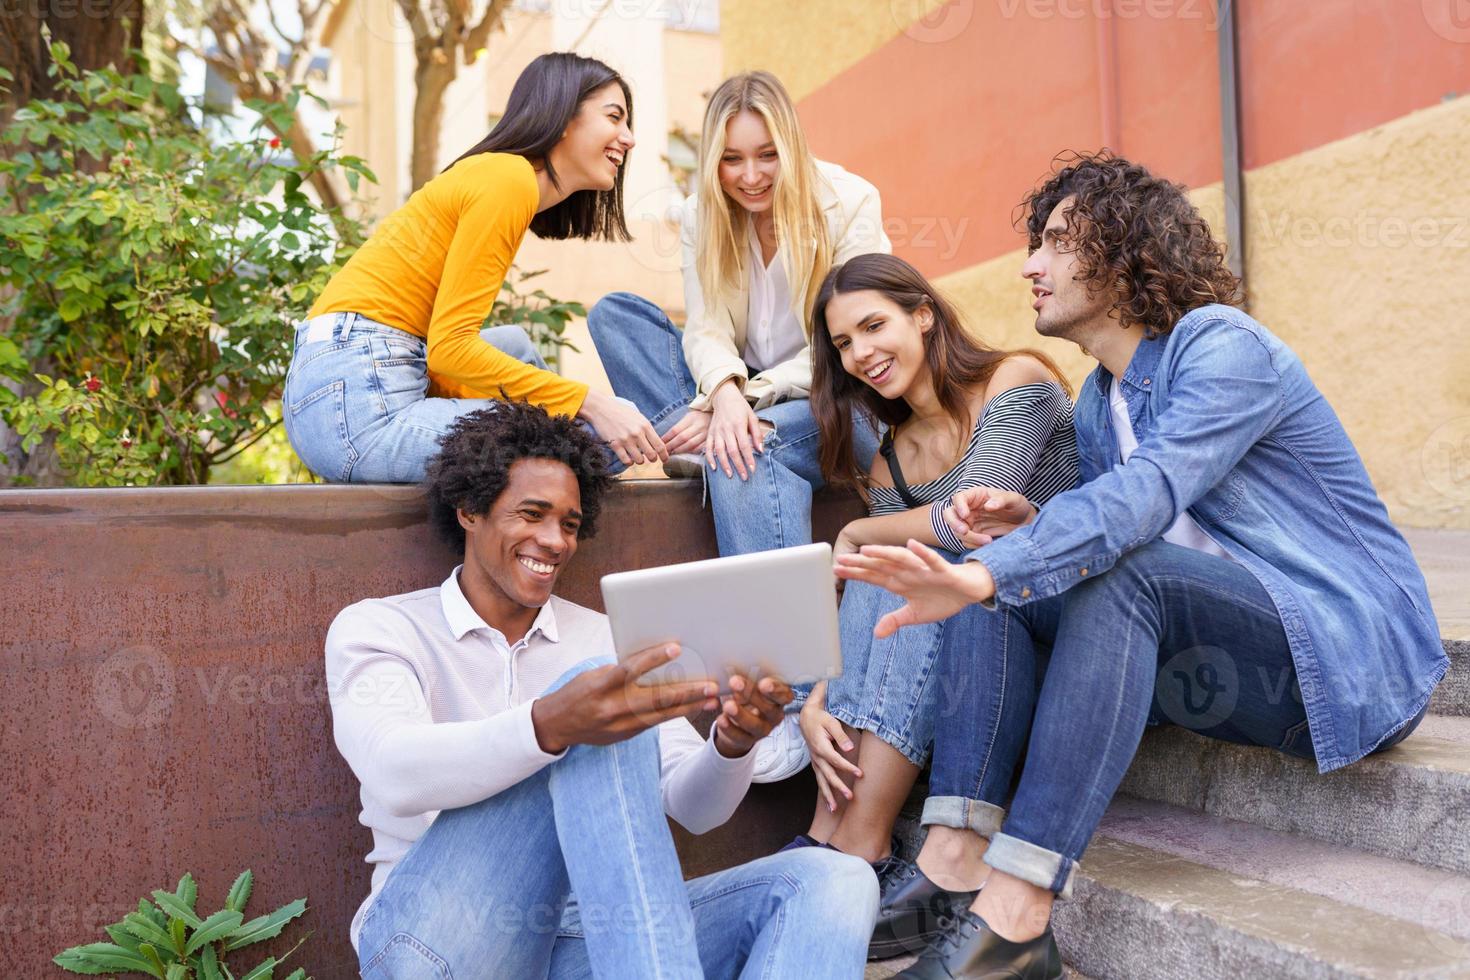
(1452, 696)
(1165, 892)
(1411, 802)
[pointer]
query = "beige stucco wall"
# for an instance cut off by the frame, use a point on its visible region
(816, 39)
(1358, 256)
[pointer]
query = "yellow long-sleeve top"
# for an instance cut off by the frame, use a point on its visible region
(434, 268)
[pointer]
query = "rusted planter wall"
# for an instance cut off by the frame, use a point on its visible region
(164, 704)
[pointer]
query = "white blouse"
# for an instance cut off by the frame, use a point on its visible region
(773, 333)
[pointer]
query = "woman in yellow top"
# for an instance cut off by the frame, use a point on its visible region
(393, 351)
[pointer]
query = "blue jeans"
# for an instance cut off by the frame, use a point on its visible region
(485, 891)
(893, 688)
(1167, 635)
(642, 352)
(356, 405)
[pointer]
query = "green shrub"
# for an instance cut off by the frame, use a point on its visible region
(155, 271)
(167, 940)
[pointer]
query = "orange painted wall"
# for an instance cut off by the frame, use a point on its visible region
(955, 127)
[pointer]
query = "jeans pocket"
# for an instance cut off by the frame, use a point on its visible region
(402, 369)
(403, 957)
(316, 425)
(1297, 741)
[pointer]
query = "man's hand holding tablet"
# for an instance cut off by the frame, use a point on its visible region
(748, 714)
(607, 704)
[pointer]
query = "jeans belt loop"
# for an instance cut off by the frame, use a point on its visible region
(346, 321)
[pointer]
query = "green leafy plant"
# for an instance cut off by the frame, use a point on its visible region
(168, 940)
(154, 265)
(545, 319)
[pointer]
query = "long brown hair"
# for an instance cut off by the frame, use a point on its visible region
(958, 362)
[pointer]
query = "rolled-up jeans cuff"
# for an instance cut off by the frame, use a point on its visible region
(1031, 863)
(963, 814)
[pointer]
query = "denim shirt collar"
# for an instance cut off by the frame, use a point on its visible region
(1142, 369)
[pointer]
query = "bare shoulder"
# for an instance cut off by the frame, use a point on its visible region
(878, 474)
(1017, 370)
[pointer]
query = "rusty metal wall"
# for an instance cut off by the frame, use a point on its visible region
(165, 709)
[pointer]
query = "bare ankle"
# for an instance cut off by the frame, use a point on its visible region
(953, 859)
(1013, 909)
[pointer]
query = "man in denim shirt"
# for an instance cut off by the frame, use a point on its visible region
(1225, 565)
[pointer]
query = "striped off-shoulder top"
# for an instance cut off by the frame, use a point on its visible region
(1023, 441)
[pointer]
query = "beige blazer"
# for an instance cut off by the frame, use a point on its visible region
(714, 331)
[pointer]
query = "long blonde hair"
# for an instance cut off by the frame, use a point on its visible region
(724, 226)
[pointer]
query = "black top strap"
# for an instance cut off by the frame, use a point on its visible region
(899, 483)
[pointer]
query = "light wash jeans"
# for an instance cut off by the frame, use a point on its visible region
(642, 352)
(891, 687)
(1167, 635)
(356, 406)
(484, 892)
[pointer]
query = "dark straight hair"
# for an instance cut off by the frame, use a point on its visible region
(543, 102)
(957, 360)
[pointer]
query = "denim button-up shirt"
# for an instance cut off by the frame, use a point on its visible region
(1231, 428)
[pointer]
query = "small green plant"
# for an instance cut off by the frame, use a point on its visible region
(545, 319)
(167, 940)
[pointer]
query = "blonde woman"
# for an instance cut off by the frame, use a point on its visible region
(729, 392)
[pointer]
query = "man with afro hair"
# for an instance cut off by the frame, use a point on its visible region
(508, 763)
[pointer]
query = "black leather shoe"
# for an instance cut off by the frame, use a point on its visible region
(910, 910)
(968, 949)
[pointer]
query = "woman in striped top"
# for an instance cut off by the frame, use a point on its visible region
(960, 415)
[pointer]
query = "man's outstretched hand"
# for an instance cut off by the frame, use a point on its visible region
(608, 704)
(934, 588)
(749, 713)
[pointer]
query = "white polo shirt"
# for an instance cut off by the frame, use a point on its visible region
(431, 708)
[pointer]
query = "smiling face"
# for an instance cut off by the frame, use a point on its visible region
(880, 343)
(749, 165)
(1065, 306)
(515, 552)
(596, 143)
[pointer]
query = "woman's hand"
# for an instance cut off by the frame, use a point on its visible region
(735, 434)
(982, 514)
(934, 588)
(845, 544)
(623, 428)
(689, 433)
(827, 740)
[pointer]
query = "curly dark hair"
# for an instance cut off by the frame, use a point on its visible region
(1137, 233)
(476, 454)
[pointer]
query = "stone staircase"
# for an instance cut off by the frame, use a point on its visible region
(1220, 862)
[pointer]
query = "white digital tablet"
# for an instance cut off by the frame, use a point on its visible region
(768, 614)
